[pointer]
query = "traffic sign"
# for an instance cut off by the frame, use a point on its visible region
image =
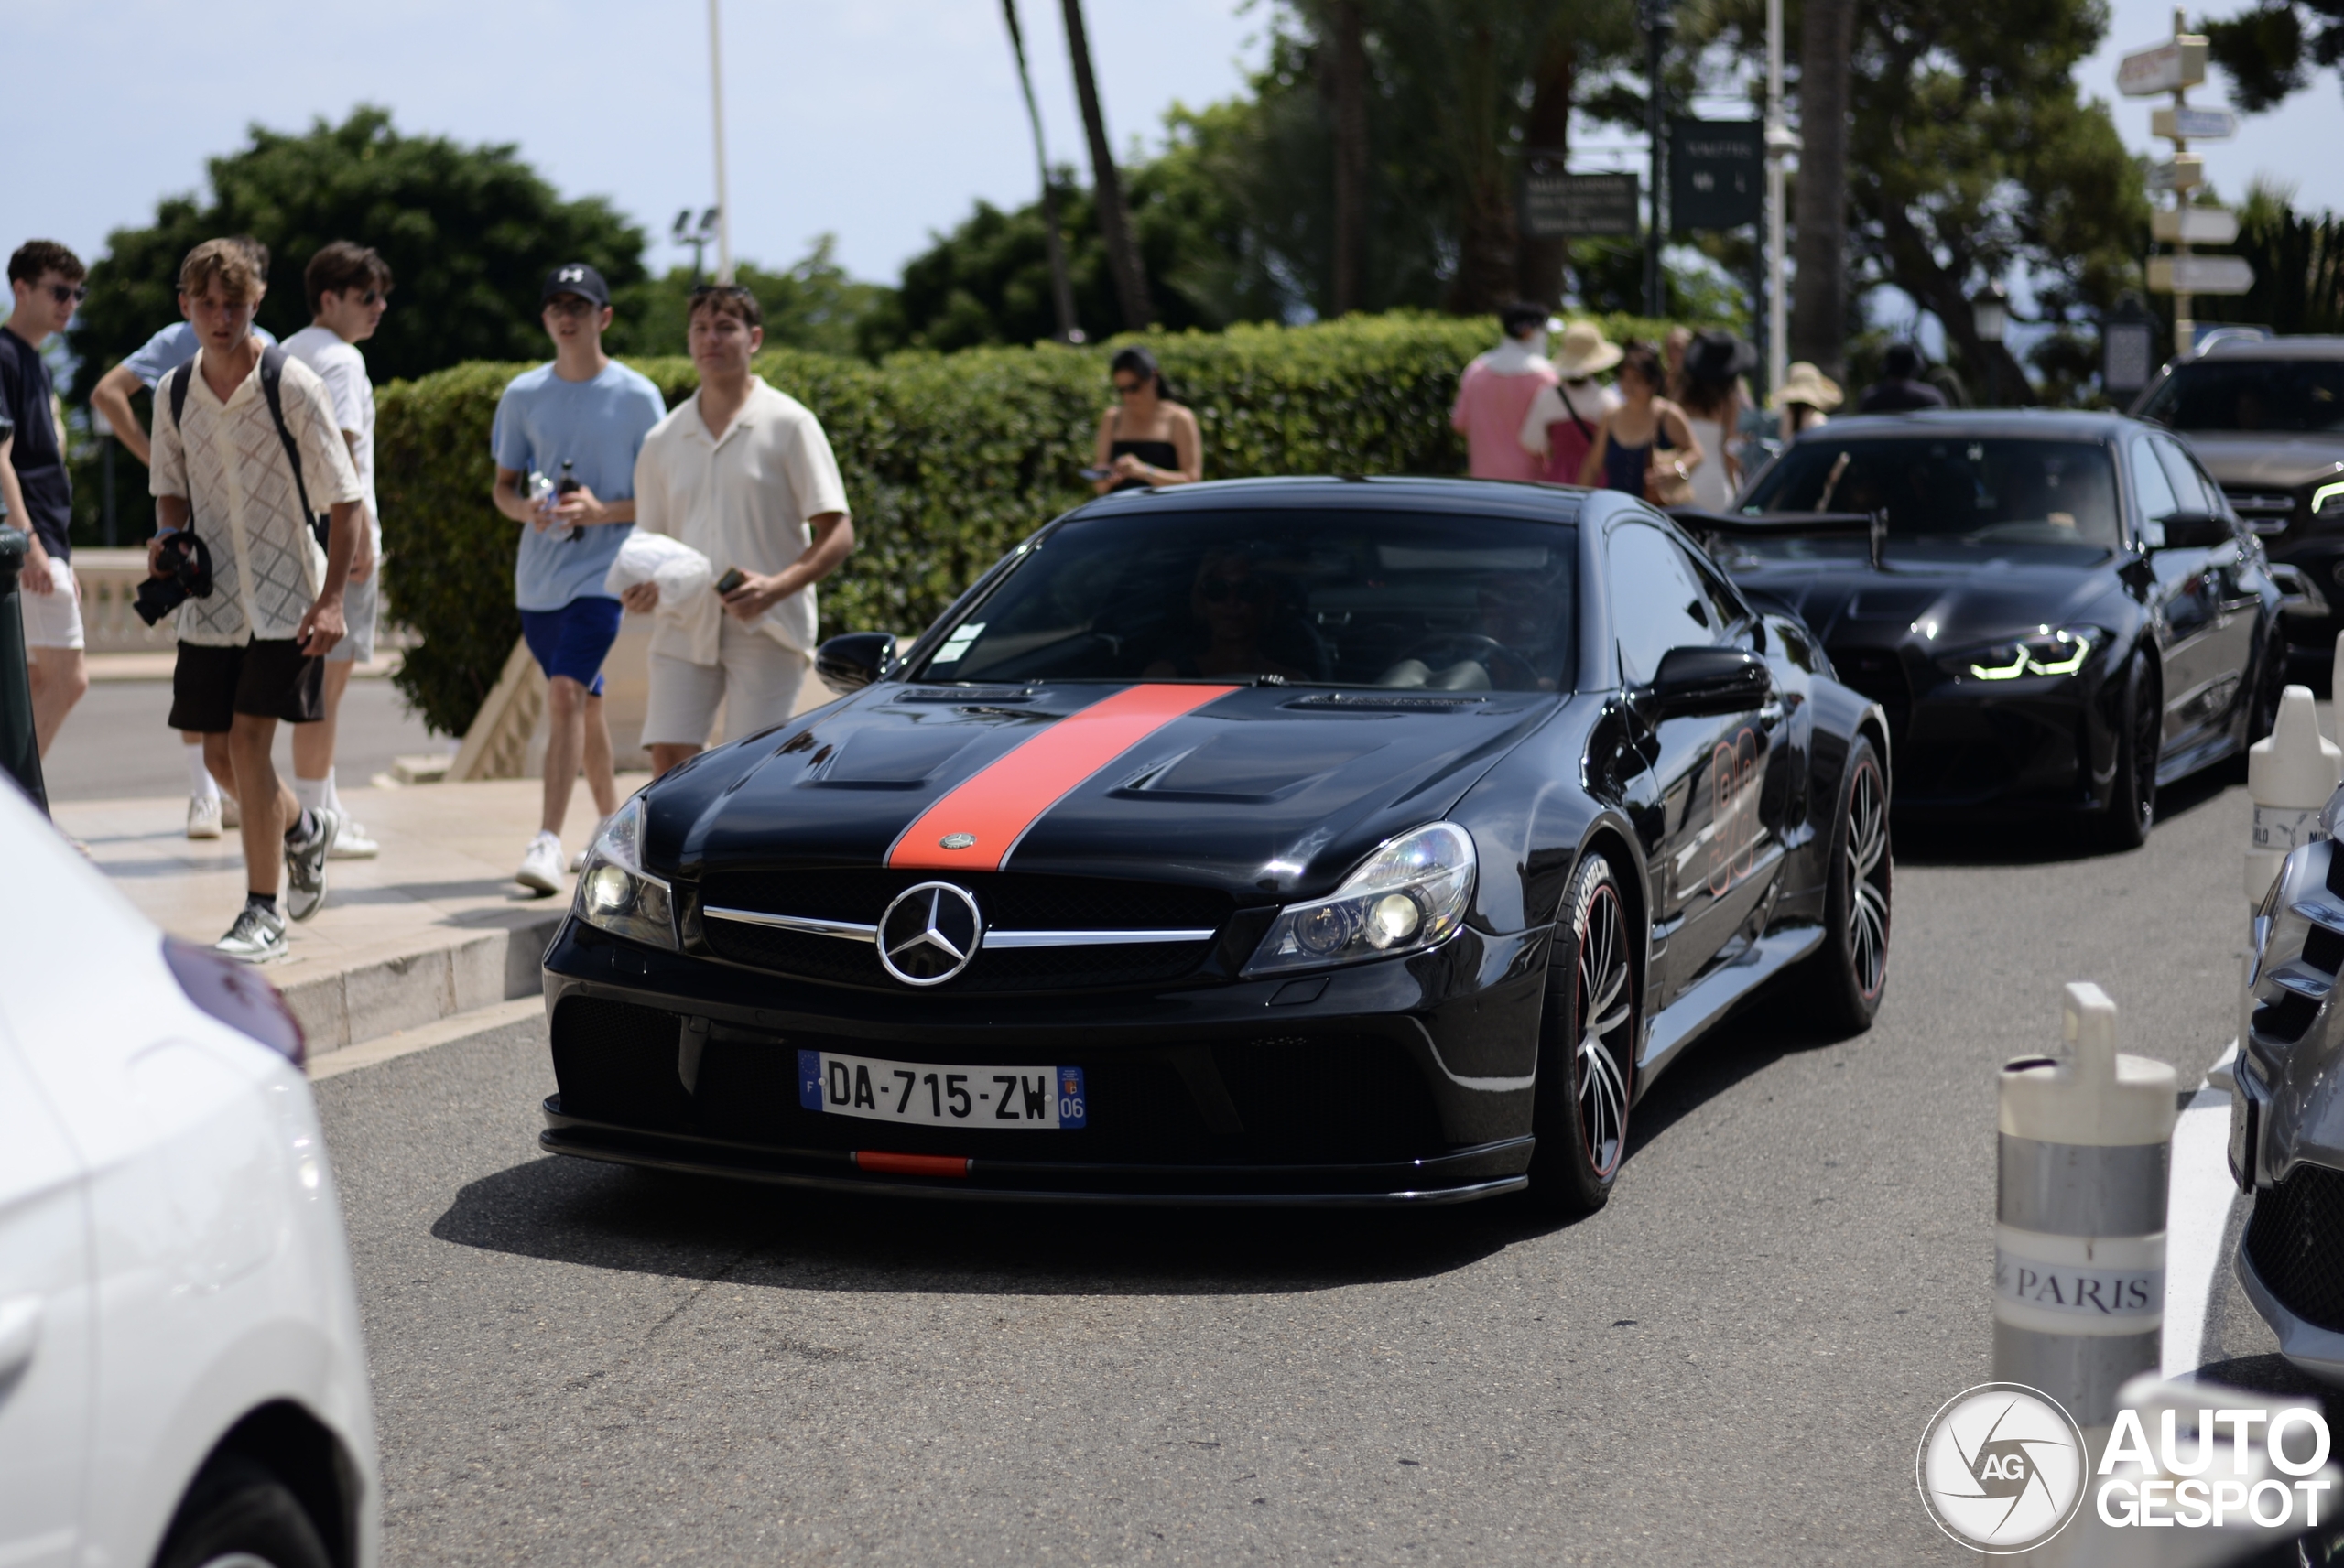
(2178, 62)
(1558, 206)
(2183, 124)
(2194, 226)
(1717, 174)
(2200, 275)
(2185, 172)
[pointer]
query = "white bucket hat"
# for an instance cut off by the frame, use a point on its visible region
(1583, 353)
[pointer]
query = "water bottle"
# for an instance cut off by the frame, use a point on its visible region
(570, 482)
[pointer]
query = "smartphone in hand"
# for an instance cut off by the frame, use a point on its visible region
(733, 578)
(1095, 475)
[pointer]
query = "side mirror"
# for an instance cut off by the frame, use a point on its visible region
(1693, 682)
(854, 660)
(2194, 531)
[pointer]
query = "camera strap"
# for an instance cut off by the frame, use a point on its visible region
(272, 379)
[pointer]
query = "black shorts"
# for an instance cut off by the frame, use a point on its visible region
(272, 679)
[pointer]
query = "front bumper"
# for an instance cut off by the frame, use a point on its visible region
(1402, 1082)
(1966, 747)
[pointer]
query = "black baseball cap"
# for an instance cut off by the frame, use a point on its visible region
(577, 277)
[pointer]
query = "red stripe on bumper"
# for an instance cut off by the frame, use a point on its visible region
(1001, 800)
(911, 1165)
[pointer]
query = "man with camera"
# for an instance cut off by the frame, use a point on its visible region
(47, 280)
(240, 432)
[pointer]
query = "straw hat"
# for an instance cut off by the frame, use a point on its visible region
(1802, 383)
(1583, 353)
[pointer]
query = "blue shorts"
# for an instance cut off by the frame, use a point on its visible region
(573, 641)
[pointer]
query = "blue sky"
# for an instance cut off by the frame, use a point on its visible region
(876, 120)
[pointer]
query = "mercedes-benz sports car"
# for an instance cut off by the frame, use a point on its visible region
(2061, 614)
(1287, 840)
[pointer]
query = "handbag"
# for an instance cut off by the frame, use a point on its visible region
(1665, 487)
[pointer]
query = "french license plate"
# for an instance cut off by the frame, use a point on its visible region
(927, 1094)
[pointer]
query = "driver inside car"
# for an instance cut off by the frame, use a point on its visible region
(1238, 605)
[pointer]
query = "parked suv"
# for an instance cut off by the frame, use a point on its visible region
(2265, 415)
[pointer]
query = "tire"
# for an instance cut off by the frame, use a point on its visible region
(2132, 807)
(1587, 1049)
(239, 1515)
(1849, 973)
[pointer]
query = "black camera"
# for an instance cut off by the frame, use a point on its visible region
(185, 562)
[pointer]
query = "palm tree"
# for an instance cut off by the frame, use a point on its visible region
(1061, 290)
(1115, 217)
(1819, 294)
(1349, 81)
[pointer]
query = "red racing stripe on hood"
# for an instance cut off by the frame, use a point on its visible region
(995, 806)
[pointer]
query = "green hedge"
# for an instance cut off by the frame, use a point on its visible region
(948, 460)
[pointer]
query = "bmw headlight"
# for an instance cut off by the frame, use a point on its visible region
(615, 895)
(1410, 894)
(2047, 652)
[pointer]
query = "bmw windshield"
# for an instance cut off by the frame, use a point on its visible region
(2300, 396)
(1988, 495)
(1325, 598)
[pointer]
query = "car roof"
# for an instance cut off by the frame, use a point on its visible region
(2303, 348)
(2037, 424)
(1399, 493)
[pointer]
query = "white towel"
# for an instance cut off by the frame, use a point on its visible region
(683, 573)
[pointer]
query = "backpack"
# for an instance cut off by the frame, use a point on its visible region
(272, 377)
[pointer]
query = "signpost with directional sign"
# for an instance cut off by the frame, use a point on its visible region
(2176, 66)
(2194, 226)
(2187, 124)
(1560, 206)
(2168, 67)
(2200, 275)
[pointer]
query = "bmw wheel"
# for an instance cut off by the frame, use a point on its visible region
(1851, 972)
(2139, 731)
(1587, 1058)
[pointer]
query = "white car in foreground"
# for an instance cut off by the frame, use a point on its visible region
(181, 1377)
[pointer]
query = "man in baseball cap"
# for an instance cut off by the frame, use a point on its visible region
(578, 423)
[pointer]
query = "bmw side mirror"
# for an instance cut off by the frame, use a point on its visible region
(1693, 682)
(852, 660)
(2193, 531)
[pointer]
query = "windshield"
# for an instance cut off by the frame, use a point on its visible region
(1953, 489)
(2251, 395)
(1379, 599)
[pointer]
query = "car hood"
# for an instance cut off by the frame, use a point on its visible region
(1952, 596)
(2240, 457)
(1261, 790)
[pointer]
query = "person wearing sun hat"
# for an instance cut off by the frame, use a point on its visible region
(1805, 399)
(1562, 421)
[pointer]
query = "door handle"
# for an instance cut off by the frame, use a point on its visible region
(19, 1335)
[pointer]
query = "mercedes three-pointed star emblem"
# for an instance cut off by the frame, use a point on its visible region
(929, 933)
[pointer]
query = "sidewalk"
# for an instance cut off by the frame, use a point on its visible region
(434, 927)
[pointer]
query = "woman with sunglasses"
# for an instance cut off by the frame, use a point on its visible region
(1145, 438)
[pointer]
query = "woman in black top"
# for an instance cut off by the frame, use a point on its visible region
(1145, 439)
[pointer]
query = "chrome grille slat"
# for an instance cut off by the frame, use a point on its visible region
(848, 931)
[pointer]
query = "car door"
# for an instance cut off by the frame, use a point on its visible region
(1715, 853)
(2182, 601)
(45, 1330)
(2236, 607)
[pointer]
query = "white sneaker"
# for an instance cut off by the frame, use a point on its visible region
(203, 816)
(353, 844)
(256, 937)
(231, 816)
(305, 867)
(540, 870)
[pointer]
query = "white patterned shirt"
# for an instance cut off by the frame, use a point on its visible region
(226, 463)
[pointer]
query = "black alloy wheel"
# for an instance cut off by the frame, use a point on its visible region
(1851, 971)
(238, 1513)
(1587, 1056)
(2132, 805)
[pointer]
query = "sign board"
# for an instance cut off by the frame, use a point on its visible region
(2185, 172)
(2200, 275)
(1717, 174)
(2127, 356)
(2183, 124)
(2194, 226)
(1558, 206)
(2178, 62)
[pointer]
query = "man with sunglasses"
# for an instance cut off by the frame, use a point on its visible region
(581, 420)
(349, 287)
(46, 279)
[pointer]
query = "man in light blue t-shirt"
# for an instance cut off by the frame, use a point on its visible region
(588, 413)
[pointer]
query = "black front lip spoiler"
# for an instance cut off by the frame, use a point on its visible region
(1005, 1181)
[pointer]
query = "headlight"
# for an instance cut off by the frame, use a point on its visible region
(2045, 653)
(1411, 894)
(615, 895)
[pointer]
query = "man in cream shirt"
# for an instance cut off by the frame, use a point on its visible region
(743, 474)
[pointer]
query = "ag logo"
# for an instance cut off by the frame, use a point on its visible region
(2000, 1467)
(929, 933)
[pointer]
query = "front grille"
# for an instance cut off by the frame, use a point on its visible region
(1879, 675)
(2296, 1242)
(617, 1062)
(2265, 512)
(1010, 902)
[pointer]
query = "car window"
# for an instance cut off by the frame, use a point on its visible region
(1999, 492)
(1723, 601)
(2305, 395)
(2153, 491)
(1657, 601)
(2187, 485)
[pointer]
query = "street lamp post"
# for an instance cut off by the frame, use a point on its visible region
(1781, 142)
(716, 109)
(1653, 17)
(1990, 318)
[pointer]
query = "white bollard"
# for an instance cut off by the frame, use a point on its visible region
(2290, 773)
(2084, 1153)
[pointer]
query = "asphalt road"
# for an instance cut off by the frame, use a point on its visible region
(117, 743)
(1732, 1363)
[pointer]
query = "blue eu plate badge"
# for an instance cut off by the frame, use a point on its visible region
(809, 1079)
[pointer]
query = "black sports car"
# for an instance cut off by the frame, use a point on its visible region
(2061, 612)
(1284, 840)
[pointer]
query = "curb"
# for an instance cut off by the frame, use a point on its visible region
(407, 990)
(406, 1042)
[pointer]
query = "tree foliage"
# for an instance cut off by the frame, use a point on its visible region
(813, 305)
(469, 232)
(2273, 49)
